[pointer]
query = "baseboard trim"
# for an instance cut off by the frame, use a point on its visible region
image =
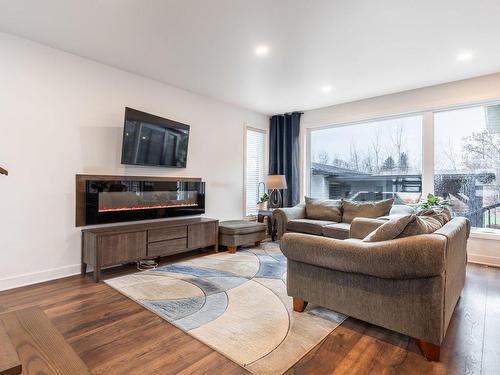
(38, 277)
(484, 259)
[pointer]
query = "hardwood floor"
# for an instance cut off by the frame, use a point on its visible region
(114, 335)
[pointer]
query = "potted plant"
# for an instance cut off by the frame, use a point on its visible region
(262, 204)
(433, 201)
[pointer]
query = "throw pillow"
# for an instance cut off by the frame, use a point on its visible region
(390, 229)
(327, 209)
(401, 209)
(420, 225)
(442, 214)
(365, 209)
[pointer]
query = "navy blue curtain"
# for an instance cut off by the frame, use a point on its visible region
(284, 154)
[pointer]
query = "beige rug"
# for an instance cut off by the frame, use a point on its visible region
(235, 303)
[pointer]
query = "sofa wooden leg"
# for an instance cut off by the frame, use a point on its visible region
(257, 243)
(299, 304)
(231, 249)
(430, 351)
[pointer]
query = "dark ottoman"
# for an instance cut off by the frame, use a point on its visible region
(234, 233)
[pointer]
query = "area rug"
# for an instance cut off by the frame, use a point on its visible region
(235, 303)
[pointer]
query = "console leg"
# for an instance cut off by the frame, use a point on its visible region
(97, 274)
(299, 304)
(231, 249)
(430, 351)
(84, 269)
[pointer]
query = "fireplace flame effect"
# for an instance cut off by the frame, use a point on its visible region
(147, 207)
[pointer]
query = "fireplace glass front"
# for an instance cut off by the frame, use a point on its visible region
(125, 200)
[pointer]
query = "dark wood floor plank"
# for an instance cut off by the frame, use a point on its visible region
(9, 360)
(463, 345)
(491, 346)
(114, 335)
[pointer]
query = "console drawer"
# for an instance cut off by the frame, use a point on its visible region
(168, 247)
(163, 234)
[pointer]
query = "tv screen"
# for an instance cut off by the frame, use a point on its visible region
(154, 141)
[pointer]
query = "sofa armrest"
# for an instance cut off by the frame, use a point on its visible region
(402, 258)
(281, 216)
(362, 227)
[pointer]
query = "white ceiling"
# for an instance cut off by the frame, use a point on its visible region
(360, 48)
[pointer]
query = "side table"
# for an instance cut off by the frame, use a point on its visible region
(271, 227)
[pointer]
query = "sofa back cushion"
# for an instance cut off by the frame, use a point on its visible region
(390, 229)
(327, 209)
(421, 225)
(365, 209)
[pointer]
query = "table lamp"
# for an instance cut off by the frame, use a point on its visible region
(276, 183)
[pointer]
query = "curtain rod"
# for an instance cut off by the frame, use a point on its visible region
(289, 113)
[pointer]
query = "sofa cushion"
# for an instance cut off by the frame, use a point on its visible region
(337, 230)
(365, 209)
(420, 225)
(307, 226)
(390, 229)
(324, 209)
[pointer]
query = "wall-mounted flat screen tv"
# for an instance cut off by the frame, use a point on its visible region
(154, 141)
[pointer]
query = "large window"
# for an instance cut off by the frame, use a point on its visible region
(381, 159)
(255, 158)
(467, 163)
(368, 161)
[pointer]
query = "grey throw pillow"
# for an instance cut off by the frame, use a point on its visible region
(390, 229)
(401, 209)
(365, 209)
(327, 209)
(421, 225)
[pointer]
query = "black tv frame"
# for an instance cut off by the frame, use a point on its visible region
(134, 114)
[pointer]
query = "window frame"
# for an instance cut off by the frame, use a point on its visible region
(246, 128)
(428, 125)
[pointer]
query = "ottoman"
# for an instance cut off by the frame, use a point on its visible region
(234, 233)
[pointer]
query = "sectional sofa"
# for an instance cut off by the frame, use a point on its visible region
(384, 273)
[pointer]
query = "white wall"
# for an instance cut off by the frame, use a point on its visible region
(483, 248)
(61, 115)
(457, 93)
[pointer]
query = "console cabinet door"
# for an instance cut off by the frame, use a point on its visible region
(122, 248)
(201, 235)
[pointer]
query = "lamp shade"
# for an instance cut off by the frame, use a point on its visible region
(276, 181)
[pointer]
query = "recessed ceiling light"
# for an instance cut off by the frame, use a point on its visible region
(465, 56)
(262, 50)
(326, 89)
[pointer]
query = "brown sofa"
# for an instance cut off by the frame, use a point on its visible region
(333, 224)
(410, 285)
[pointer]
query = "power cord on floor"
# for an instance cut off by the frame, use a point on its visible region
(146, 264)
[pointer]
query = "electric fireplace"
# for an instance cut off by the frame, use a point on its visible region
(112, 199)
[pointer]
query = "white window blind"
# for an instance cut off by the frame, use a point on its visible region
(255, 168)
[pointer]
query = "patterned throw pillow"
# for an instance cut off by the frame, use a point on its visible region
(365, 209)
(442, 214)
(390, 229)
(327, 209)
(421, 225)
